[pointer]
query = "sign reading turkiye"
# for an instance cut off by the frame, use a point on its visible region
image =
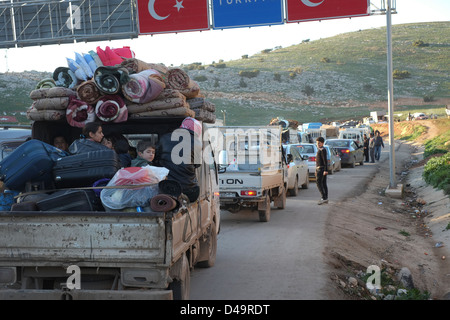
(305, 10)
(163, 16)
(246, 13)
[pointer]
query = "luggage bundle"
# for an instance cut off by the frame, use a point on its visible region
(63, 182)
(111, 85)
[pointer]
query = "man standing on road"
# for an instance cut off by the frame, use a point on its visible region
(377, 145)
(372, 148)
(321, 170)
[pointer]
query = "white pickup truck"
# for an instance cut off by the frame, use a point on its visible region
(111, 254)
(252, 170)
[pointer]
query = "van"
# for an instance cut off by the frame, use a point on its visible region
(352, 134)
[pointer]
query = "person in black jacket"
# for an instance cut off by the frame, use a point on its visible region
(173, 156)
(321, 170)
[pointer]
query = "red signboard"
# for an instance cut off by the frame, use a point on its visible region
(162, 16)
(305, 10)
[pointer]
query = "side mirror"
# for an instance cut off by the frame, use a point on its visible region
(223, 158)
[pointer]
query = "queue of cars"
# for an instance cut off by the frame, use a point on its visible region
(301, 159)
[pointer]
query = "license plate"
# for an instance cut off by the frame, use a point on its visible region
(227, 194)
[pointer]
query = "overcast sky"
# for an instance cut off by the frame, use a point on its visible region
(213, 45)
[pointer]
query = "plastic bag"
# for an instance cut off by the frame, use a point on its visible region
(125, 197)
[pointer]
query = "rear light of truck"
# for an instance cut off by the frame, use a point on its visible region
(248, 193)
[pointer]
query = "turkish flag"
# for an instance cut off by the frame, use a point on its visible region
(164, 16)
(304, 10)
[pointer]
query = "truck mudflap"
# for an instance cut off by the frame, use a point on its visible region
(11, 294)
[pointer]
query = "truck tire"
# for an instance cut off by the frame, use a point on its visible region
(181, 285)
(280, 201)
(264, 214)
(294, 191)
(208, 248)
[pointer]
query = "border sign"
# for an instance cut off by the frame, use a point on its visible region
(164, 16)
(307, 10)
(246, 13)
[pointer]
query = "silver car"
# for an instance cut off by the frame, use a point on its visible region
(310, 150)
(334, 160)
(298, 172)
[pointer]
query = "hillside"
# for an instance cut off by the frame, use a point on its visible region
(336, 78)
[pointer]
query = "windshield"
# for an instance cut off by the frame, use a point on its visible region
(338, 143)
(305, 149)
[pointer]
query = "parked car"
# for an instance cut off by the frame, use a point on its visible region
(334, 160)
(349, 151)
(310, 150)
(298, 172)
(11, 138)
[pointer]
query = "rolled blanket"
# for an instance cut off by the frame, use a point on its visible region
(55, 103)
(64, 77)
(201, 103)
(46, 83)
(179, 80)
(109, 79)
(134, 65)
(163, 203)
(182, 111)
(45, 115)
(89, 92)
(79, 113)
(168, 103)
(52, 93)
(143, 86)
(111, 108)
(169, 93)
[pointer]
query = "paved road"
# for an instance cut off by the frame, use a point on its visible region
(281, 259)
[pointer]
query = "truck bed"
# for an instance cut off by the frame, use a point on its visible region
(84, 238)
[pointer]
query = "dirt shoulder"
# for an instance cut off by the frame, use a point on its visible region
(372, 228)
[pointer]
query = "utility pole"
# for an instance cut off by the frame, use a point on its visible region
(393, 180)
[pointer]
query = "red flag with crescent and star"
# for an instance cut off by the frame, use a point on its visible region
(165, 16)
(305, 10)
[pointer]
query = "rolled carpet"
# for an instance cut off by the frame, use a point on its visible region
(163, 203)
(134, 65)
(179, 80)
(79, 113)
(111, 108)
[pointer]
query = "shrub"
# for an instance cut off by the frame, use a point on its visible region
(420, 43)
(249, 73)
(200, 78)
(242, 83)
(245, 56)
(292, 75)
(308, 90)
(266, 50)
(437, 172)
(219, 65)
(277, 76)
(297, 70)
(397, 74)
(325, 60)
(428, 98)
